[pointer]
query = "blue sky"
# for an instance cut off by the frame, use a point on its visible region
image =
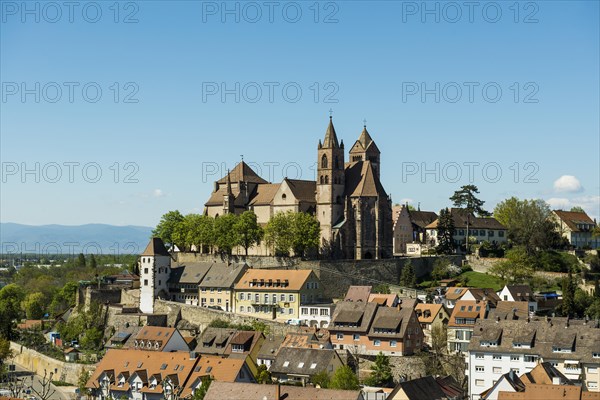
(169, 133)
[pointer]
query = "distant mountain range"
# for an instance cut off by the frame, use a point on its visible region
(67, 239)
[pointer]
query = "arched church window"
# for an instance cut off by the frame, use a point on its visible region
(322, 180)
(324, 161)
(283, 196)
(326, 180)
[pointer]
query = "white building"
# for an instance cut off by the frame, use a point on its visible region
(500, 346)
(318, 315)
(519, 293)
(155, 269)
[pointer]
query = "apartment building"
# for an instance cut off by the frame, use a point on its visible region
(276, 294)
(216, 288)
(500, 346)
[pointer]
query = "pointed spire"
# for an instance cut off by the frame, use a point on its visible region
(228, 183)
(330, 136)
(365, 139)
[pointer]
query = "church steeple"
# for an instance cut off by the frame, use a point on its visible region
(331, 140)
(330, 183)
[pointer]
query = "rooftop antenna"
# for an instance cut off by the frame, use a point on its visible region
(365, 122)
(330, 113)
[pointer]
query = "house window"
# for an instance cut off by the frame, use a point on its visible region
(497, 357)
(286, 364)
(290, 310)
(479, 368)
(324, 312)
(145, 282)
(304, 311)
(500, 233)
(282, 297)
(301, 365)
(340, 336)
(515, 358)
(479, 356)
(241, 308)
(491, 233)
(497, 370)
(377, 342)
(531, 358)
(592, 385)
(291, 298)
(356, 336)
(313, 365)
(145, 270)
(479, 382)
(393, 343)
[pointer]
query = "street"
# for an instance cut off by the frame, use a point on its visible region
(28, 378)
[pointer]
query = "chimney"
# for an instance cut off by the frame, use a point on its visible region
(278, 391)
(556, 380)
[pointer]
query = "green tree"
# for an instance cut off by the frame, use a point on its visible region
(293, 231)
(381, 372)
(466, 199)
(382, 288)
(33, 305)
(84, 377)
(201, 392)
(408, 277)
(593, 310)
(64, 297)
(518, 267)
(321, 379)
(248, 230)
(11, 297)
(569, 286)
(344, 379)
(200, 231)
(81, 260)
(263, 376)
(445, 233)
(225, 235)
(529, 223)
(306, 233)
(577, 209)
(93, 262)
(5, 351)
(92, 339)
(279, 233)
(440, 268)
(167, 226)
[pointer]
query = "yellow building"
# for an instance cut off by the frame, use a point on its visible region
(276, 293)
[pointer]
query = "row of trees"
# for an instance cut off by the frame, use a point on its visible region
(285, 232)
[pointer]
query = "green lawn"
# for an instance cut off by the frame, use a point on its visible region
(480, 280)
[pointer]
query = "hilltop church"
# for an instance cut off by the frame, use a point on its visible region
(348, 199)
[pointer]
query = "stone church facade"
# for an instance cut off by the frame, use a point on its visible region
(348, 199)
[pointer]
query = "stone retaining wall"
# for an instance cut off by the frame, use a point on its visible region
(38, 362)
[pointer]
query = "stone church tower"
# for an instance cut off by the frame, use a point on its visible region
(330, 184)
(353, 209)
(155, 268)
